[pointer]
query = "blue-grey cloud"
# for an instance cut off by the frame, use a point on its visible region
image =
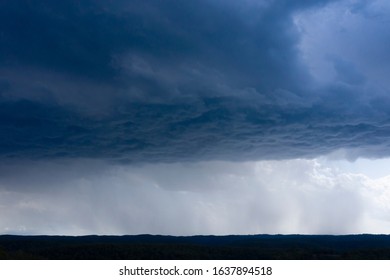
(172, 87)
(173, 81)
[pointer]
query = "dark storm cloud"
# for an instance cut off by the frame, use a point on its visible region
(140, 81)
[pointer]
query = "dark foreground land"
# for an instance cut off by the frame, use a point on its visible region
(298, 247)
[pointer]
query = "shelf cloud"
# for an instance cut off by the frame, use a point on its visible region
(169, 81)
(98, 87)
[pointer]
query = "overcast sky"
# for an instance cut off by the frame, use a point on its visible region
(194, 117)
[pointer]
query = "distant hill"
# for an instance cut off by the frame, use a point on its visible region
(146, 247)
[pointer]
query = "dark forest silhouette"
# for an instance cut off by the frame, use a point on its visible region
(146, 247)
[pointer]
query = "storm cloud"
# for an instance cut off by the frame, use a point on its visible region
(193, 117)
(173, 81)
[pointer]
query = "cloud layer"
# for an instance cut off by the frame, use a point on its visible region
(193, 117)
(211, 80)
(289, 196)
